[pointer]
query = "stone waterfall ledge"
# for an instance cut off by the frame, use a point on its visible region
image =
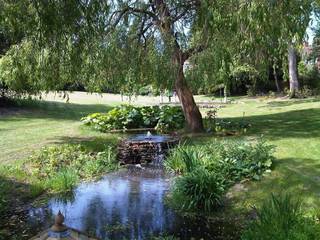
(140, 152)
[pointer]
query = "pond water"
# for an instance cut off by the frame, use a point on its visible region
(150, 138)
(129, 204)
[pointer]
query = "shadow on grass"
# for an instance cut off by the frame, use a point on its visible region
(48, 109)
(290, 102)
(298, 124)
(92, 144)
(299, 177)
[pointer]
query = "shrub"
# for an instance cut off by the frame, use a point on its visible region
(163, 118)
(185, 158)
(208, 170)
(235, 159)
(245, 160)
(150, 115)
(281, 218)
(226, 126)
(170, 118)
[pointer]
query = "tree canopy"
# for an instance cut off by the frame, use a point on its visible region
(123, 44)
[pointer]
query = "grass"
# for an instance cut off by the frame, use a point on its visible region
(293, 126)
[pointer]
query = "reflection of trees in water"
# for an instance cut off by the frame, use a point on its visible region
(123, 207)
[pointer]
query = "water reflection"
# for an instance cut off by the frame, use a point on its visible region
(124, 205)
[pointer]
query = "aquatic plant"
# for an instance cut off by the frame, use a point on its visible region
(207, 171)
(59, 168)
(200, 189)
(280, 218)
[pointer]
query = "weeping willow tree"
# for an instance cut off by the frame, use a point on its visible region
(123, 44)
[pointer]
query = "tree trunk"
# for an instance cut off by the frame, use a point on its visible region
(293, 72)
(190, 109)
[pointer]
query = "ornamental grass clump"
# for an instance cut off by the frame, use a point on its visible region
(281, 218)
(200, 189)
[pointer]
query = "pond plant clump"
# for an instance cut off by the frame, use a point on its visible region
(62, 167)
(162, 119)
(281, 217)
(206, 172)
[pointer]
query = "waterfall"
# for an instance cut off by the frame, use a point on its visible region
(159, 156)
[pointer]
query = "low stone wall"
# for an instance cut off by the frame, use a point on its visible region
(140, 152)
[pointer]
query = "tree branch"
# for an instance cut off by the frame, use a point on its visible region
(192, 51)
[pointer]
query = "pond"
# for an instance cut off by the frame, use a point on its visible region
(128, 204)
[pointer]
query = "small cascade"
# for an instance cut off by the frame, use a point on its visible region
(159, 157)
(145, 148)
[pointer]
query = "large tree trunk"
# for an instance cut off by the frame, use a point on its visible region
(190, 109)
(293, 72)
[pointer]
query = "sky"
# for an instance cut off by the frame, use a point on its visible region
(310, 33)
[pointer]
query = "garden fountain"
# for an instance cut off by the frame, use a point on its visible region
(145, 148)
(130, 203)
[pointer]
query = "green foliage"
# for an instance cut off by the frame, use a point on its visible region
(281, 218)
(150, 115)
(62, 181)
(124, 117)
(227, 126)
(209, 170)
(93, 44)
(63, 166)
(309, 78)
(235, 159)
(200, 189)
(240, 159)
(170, 118)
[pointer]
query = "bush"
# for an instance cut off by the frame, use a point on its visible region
(163, 118)
(209, 170)
(150, 116)
(281, 218)
(245, 160)
(170, 118)
(235, 159)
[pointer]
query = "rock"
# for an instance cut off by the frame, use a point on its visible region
(141, 152)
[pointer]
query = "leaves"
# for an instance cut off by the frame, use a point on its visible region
(163, 118)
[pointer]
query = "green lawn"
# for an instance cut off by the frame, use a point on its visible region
(293, 126)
